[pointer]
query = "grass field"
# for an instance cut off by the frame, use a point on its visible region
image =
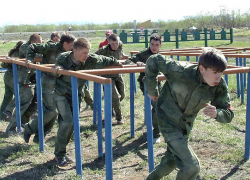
(220, 147)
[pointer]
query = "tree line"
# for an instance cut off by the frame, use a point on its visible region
(224, 19)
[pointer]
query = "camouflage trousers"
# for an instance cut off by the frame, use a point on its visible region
(8, 100)
(178, 155)
(28, 106)
(49, 116)
(65, 123)
(118, 95)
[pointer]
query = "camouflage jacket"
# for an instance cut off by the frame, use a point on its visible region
(94, 61)
(142, 56)
(107, 51)
(184, 93)
(50, 51)
(24, 73)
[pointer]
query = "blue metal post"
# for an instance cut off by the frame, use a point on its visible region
(95, 104)
(171, 56)
(197, 58)
(75, 103)
(134, 83)
(17, 98)
(148, 118)
(187, 58)
(87, 82)
(238, 79)
(247, 134)
(178, 58)
(99, 118)
(108, 131)
(226, 75)
(132, 106)
(245, 75)
(241, 84)
(40, 109)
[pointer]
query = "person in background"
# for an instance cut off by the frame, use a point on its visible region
(55, 37)
(140, 59)
(8, 103)
(114, 49)
(26, 80)
(105, 42)
(188, 89)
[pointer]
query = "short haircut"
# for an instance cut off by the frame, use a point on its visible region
(114, 37)
(213, 58)
(66, 37)
(34, 37)
(156, 37)
(54, 34)
(81, 43)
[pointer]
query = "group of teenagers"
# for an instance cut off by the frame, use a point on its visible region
(175, 104)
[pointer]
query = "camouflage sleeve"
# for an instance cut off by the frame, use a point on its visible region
(221, 101)
(99, 51)
(104, 61)
(34, 49)
(155, 64)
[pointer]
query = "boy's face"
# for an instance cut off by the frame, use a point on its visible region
(114, 44)
(56, 39)
(211, 77)
(81, 54)
(155, 46)
(67, 46)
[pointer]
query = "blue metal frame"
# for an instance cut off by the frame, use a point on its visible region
(99, 118)
(17, 98)
(75, 103)
(148, 119)
(108, 131)
(40, 109)
(247, 134)
(132, 106)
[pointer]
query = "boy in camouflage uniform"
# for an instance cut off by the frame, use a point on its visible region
(188, 89)
(49, 51)
(114, 49)
(140, 59)
(28, 105)
(78, 59)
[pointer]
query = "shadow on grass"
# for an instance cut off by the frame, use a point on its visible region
(37, 172)
(120, 150)
(233, 170)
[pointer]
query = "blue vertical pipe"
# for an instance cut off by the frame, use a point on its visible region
(245, 75)
(247, 134)
(134, 83)
(187, 58)
(95, 104)
(197, 58)
(241, 84)
(178, 58)
(226, 75)
(134, 86)
(99, 118)
(148, 118)
(75, 103)
(17, 98)
(171, 56)
(40, 109)
(238, 79)
(132, 106)
(108, 131)
(87, 82)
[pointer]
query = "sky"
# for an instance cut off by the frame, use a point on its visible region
(15, 12)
